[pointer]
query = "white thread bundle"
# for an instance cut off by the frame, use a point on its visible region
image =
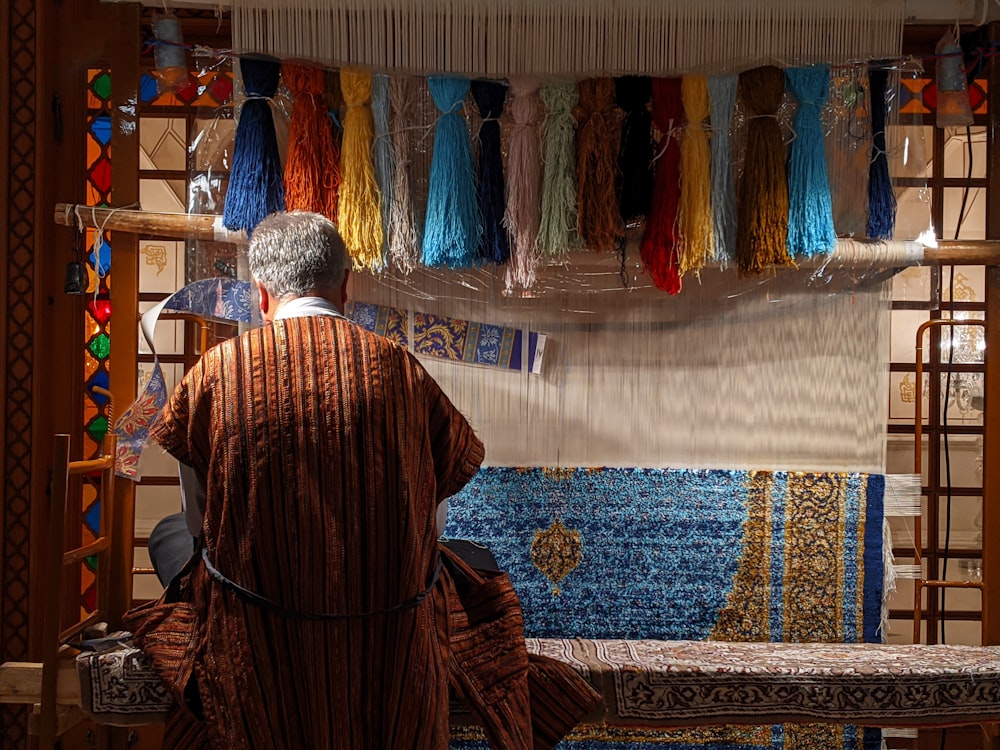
(559, 37)
(902, 495)
(385, 167)
(523, 185)
(722, 103)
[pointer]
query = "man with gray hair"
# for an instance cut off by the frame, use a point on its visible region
(311, 617)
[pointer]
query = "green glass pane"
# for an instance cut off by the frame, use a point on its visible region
(102, 86)
(92, 562)
(100, 346)
(98, 428)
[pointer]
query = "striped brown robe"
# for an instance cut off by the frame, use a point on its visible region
(324, 451)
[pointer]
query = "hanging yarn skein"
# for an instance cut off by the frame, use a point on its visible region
(762, 225)
(382, 154)
(722, 105)
(557, 227)
(255, 188)
(311, 170)
(597, 141)
(494, 247)
(404, 238)
(359, 218)
(334, 99)
(881, 196)
(452, 227)
(661, 239)
(635, 158)
(524, 182)
(694, 215)
(810, 207)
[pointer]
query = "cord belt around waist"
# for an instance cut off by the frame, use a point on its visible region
(250, 597)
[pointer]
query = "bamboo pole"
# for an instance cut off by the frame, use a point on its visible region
(209, 227)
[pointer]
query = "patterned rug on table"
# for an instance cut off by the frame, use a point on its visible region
(687, 555)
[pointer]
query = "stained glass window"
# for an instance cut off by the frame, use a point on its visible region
(97, 318)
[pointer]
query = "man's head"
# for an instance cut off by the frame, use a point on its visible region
(298, 254)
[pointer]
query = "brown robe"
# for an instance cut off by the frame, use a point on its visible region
(324, 451)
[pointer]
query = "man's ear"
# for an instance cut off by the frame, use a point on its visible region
(343, 287)
(263, 299)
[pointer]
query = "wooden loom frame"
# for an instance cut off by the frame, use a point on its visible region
(53, 687)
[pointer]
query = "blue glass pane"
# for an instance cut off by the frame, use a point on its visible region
(100, 379)
(93, 517)
(148, 90)
(104, 265)
(101, 128)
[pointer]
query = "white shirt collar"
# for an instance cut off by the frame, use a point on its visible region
(302, 307)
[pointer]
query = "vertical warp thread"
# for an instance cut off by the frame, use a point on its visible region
(311, 170)
(694, 214)
(452, 227)
(382, 155)
(597, 140)
(762, 226)
(557, 227)
(524, 182)
(256, 186)
(494, 247)
(881, 196)
(404, 239)
(660, 240)
(722, 103)
(635, 158)
(810, 207)
(358, 214)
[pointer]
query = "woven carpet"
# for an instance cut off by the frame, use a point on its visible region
(688, 555)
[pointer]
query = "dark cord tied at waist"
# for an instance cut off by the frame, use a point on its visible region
(251, 597)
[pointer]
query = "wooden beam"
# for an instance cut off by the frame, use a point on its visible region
(209, 227)
(21, 682)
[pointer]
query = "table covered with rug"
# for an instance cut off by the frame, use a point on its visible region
(722, 609)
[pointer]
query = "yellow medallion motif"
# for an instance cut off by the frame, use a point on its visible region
(907, 390)
(156, 255)
(556, 551)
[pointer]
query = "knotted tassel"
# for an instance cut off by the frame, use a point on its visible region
(881, 196)
(382, 155)
(524, 182)
(810, 208)
(311, 170)
(358, 216)
(404, 240)
(494, 247)
(557, 228)
(255, 179)
(660, 240)
(694, 215)
(452, 227)
(635, 158)
(762, 230)
(597, 141)
(722, 103)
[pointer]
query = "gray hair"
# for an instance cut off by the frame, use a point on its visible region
(295, 252)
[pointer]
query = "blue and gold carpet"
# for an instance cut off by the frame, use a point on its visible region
(688, 555)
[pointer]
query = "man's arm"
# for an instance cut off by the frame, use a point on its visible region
(192, 498)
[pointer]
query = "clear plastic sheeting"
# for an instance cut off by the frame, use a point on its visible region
(784, 371)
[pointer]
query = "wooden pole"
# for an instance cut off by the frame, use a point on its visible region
(209, 227)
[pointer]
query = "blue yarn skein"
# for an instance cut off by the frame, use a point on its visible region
(810, 207)
(256, 183)
(452, 225)
(494, 246)
(881, 196)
